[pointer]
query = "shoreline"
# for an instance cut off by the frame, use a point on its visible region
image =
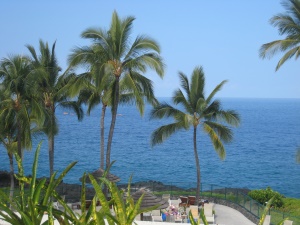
(72, 192)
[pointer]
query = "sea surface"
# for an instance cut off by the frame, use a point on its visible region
(262, 153)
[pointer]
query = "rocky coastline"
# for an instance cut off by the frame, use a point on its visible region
(72, 191)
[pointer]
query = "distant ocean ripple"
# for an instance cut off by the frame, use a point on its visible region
(262, 153)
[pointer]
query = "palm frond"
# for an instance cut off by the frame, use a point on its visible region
(210, 128)
(231, 117)
(142, 44)
(164, 110)
(197, 85)
(179, 98)
(289, 54)
(184, 83)
(287, 24)
(120, 31)
(163, 132)
(73, 105)
(144, 61)
(216, 90)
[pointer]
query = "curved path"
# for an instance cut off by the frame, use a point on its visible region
(229, 216)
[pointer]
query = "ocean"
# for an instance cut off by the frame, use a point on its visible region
(262, 153)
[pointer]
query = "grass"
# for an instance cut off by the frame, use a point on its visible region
(291, 206)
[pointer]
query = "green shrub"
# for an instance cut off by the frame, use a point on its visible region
(264, 195)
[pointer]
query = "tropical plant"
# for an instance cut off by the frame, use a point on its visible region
(51, 91)
(288, 24)
(263, 195)
(199, 111)
(31, 208)
(17, 101)
(113, 54)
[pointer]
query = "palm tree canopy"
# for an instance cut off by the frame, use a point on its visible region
(50, 86)
(112, 49)
(112, 53)
(288, 24)
(16, 104)
(194, 110)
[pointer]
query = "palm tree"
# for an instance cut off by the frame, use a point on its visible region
(199, 111)
(8, 140)
(18, 103)
(94, 91)
(288, 24)
(117, 56)
(51, 90)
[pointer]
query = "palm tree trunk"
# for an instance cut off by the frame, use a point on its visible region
(102, 136)
(19, 140)
(113, 122)
(11, 174)
(51, 153)
(197, 165)
(51, 143)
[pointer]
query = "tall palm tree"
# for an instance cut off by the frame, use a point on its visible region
(195, 111)
(8, 139)
(51, 89)
(94, 91)
(18, 102)
(118, 56)
(288, 24)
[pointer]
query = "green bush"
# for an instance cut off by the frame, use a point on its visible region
(264, 195)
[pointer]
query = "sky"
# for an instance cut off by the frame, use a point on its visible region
(223, 37)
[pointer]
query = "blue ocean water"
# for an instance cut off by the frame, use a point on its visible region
(262, 153)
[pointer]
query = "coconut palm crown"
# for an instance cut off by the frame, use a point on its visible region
(195, 110)
(288, 24)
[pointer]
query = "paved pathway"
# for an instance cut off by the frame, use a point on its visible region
(229, 216)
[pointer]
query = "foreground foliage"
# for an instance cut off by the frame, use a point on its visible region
(30, 208)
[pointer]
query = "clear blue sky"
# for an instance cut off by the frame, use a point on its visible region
(222, 36)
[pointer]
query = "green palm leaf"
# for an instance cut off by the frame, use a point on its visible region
(287, 24)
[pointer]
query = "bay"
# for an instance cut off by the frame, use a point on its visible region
(262, 153)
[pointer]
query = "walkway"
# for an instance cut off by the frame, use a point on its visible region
(229, 216)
